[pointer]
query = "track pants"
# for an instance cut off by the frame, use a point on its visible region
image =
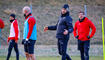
(15, 46)
(62, 48)
(84, 46)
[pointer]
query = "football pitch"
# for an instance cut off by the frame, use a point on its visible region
(54, 58)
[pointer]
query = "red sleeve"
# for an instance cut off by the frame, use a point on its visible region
(8, 38)
(75, 29)
(15, 25)
(92, 26)
(31, 23)
(1, 24)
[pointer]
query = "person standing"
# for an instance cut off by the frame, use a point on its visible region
(13, 37)
(64, 27)
(81, 32)
(1, 25)
(29, 33)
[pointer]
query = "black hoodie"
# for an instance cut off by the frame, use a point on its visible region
(64, 22)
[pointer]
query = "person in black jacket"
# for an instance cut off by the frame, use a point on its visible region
(64, 27)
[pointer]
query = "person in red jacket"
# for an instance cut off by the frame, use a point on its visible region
(1, 25)
(13, 37)
(81, 32)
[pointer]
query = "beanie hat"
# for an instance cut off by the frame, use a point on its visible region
(66, 6)
(13, 15)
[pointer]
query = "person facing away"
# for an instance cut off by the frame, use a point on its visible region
(81, 32)
(64, 27)
(13, 37)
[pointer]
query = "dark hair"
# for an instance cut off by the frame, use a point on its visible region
(82, 12)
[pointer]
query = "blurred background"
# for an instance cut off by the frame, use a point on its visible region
(46, 12)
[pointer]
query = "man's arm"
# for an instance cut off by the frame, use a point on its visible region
(50, 27)
(69, 24)
(31, 23)
(75, 29)
(54, 27)
(15, 25)
(92, 26)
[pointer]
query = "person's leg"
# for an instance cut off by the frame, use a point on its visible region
(32, 56)
(81, 48)
(26, 52)
(11, 44)
(86, 49)
(66, 44)
(59, 47)
(31, 49)
(17, 51)
(68, 57)
(82, 53)
(62, 47)
(27, 56)
(65, 49)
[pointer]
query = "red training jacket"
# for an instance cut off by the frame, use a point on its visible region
(1, 24)
(82, 29)
(14, 31)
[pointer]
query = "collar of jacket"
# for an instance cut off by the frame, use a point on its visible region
(81, 20)
(28, 15)
(66, 14)
(12, 20)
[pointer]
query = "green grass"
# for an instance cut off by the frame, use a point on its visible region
(55, 58)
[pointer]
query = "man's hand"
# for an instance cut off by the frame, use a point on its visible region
(45, 29)
(27, 42)
(88, 37)
(65, 32)
(76, 37)
(23, 41)
(8, 41)
(16, 41)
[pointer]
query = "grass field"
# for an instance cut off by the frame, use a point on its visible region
(55, 58)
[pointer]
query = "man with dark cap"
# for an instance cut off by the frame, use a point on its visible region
(63, 27)
(13, 37)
